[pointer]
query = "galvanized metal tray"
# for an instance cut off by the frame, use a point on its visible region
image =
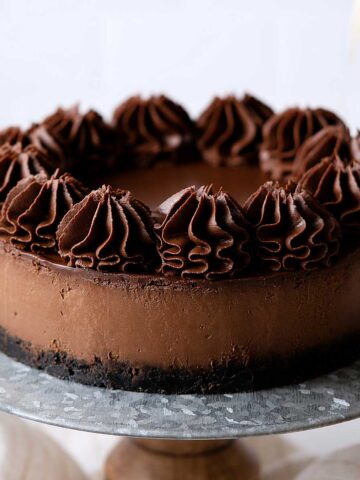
(319, 402)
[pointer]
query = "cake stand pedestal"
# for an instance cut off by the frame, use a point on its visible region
(135, 459)
(180, 436)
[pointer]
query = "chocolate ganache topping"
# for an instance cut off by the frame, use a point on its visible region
(229, 130)
(329, 140)
(153, 129)
(202, 234)
(108, 230)
(285, 133)
(16, 164)
(34, 207)
(292, 229)
(75, 142)
(336, 186)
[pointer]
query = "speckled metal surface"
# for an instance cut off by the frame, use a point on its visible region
(35, 395)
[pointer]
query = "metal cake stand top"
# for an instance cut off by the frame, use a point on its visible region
(37, 396)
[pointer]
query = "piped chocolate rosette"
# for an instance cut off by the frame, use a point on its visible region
(197, 232)
(17, 163)
(13, 135)
(82, 143)
(336, 185)
(108, 230)
(285, 133)
(291, 229)
(34, 207)
(328, 141)
(152, 130)
(203, 234)
(230, 130)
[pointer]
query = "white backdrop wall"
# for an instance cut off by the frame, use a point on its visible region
(57, 52)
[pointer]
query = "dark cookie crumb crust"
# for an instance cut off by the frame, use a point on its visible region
(230, 377)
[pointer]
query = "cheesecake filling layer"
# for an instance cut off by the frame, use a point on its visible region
(176, 325)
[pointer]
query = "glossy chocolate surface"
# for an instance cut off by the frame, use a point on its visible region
(152, 186)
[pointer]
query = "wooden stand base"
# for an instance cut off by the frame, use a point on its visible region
(138, 459)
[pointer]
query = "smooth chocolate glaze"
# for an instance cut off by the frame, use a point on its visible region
(154, 185)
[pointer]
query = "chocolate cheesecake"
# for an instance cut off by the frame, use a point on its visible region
(161, 254)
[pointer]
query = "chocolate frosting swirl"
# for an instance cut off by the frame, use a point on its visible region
(291, 228)
(154, 129)
(73, 141)
(108, 230)
(202, 234)
(229, 130)
(93, 142)
(337, 187)
(330, 140)
(355, 147)
(34, 207)
(16, 164)
(14, 135)
(285, 133)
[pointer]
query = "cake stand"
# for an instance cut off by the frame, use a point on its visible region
(180, 436)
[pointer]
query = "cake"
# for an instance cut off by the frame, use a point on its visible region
(159, 253)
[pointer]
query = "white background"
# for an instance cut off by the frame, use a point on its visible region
(98, 52)
(56, 52)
